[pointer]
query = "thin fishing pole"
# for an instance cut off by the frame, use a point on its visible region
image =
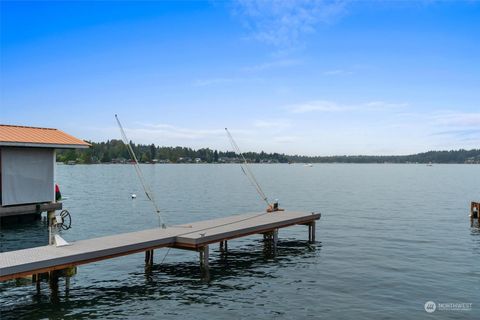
(247, 170)
(147, 190)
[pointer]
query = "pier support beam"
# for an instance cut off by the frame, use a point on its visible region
(204, 265)
(53, 282)
(36, 279)
(204, 253)
(311, 232)
(67, 286)
(224, 246)
(51, 222)
(149, 258)
(270, 240)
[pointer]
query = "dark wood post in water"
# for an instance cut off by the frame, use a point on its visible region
(224, 246)
(36, 279)
(311, 232)
(53, 282)
(270, 240)
(149, 258)
(204, 258)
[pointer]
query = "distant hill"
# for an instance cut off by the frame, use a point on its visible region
(116, 152)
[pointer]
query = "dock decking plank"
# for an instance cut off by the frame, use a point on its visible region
(235, 228)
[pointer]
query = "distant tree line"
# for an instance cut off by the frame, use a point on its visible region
(452, 156)
(116, 151)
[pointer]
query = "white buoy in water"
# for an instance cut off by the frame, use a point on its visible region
(134, 196)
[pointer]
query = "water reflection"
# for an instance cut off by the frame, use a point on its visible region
(474, 224)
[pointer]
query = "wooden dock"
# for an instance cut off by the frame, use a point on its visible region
(195, 236)
(26, 212)
(29, 209)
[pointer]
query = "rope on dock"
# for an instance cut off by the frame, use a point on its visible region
(223, 225)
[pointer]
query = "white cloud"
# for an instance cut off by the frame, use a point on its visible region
(282, 23)
(167, 131)
(330, 106)
(357, 133)
(285, 139)
(458, 127)
(269, 135)
(272, 123)
(319, 105)
(458, 119)
(381, 105)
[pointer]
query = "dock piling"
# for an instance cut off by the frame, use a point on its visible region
(223, 249)
(51, 226)
(270, 240)
(149, 258)
(67, 286)
(53, 283)
(311, 232)
(204, 253)
(36, 278)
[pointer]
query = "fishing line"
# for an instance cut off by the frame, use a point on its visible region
(166, 254)
(147, 190)
(246, 169)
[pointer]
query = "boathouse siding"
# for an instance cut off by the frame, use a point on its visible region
(27, 167)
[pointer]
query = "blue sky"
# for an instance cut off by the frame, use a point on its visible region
(316, 78)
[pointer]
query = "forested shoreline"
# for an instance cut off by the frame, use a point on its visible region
(114, 151)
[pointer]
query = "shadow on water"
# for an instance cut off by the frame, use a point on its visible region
(178, 283)
(19, 236)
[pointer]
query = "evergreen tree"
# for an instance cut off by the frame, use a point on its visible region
(153, 151)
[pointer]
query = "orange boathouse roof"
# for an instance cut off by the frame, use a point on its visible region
(22, 136)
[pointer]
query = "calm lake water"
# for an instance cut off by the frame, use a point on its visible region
(391, 238)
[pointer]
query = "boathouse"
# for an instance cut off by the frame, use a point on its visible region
(27, 168)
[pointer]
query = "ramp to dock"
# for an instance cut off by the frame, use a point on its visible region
(19, 263)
